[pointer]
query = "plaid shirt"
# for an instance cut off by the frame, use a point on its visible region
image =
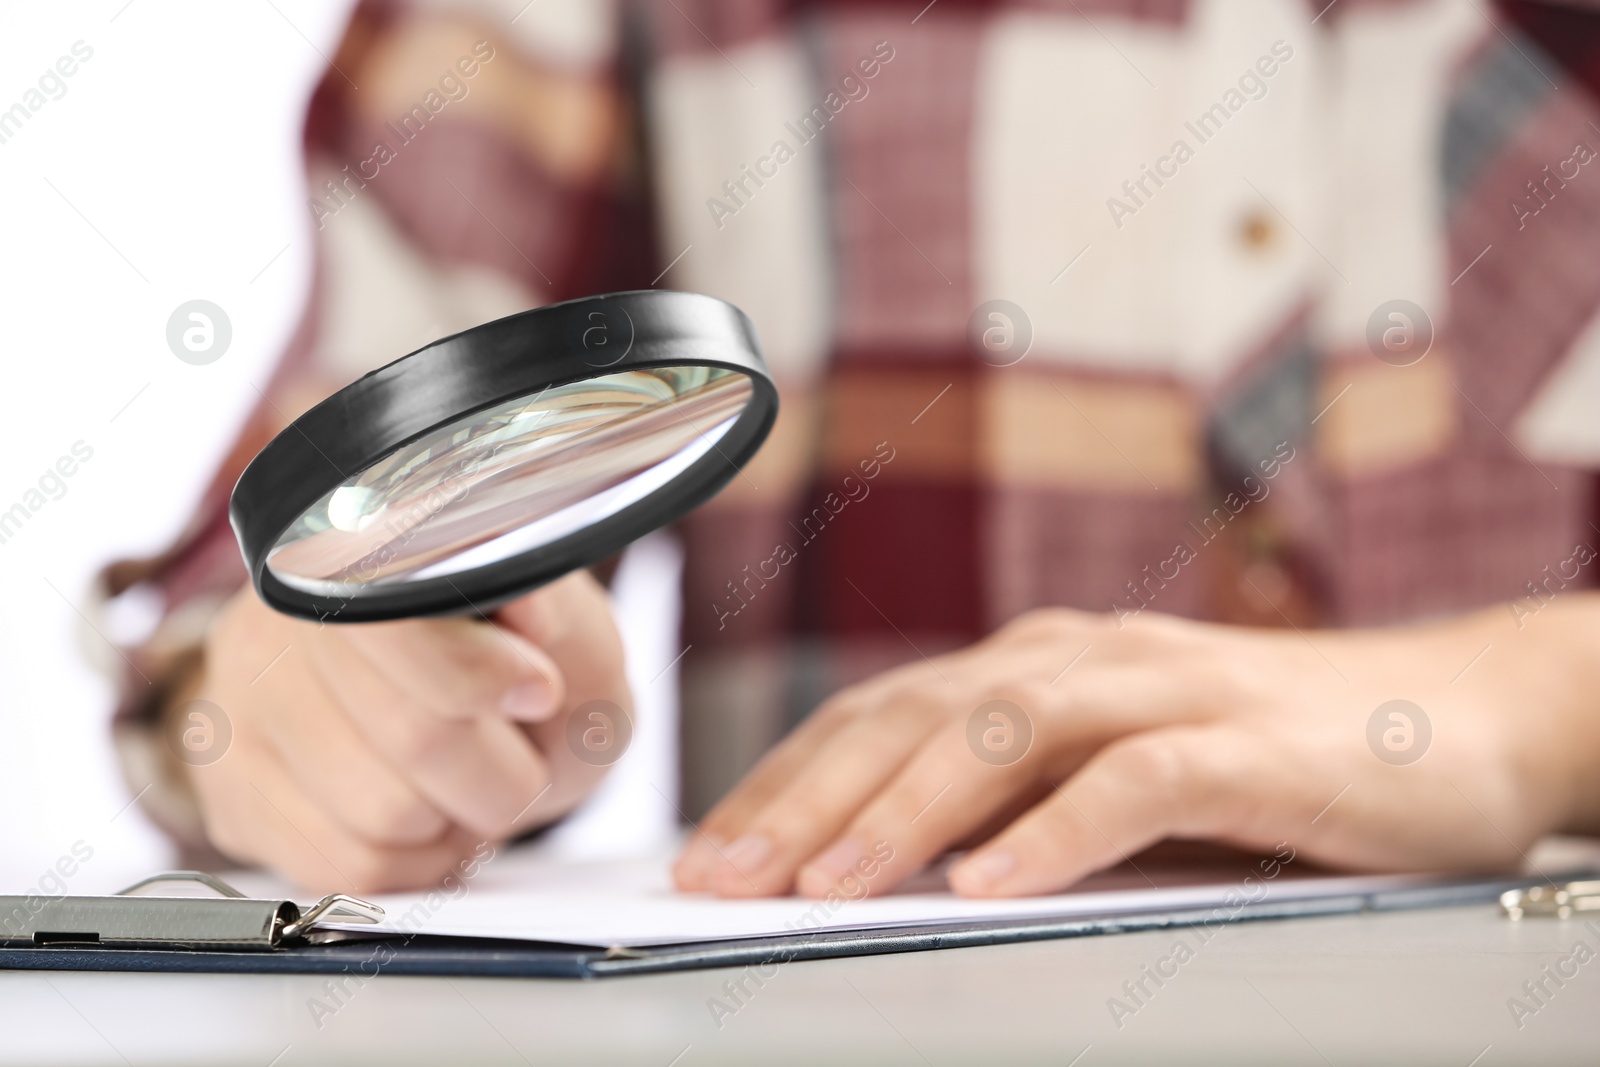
(1253, 310)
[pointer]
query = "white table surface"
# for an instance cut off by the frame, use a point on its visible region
(1416, 988)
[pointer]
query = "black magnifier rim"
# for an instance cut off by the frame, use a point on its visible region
(454, 377)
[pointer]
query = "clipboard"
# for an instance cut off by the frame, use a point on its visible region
(232, 933)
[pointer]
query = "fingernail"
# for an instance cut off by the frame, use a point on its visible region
(748, 853)
(824, 872)
(530, 701)
(979, 872)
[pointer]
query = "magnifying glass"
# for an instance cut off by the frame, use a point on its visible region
(491, 462)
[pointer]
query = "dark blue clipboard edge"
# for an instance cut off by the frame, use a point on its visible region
(437, 956)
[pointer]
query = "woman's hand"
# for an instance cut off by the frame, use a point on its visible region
(1168, 728)
(377, 756)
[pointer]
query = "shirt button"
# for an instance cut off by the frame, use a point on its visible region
(1257, 231)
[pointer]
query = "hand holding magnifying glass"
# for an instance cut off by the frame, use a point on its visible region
(449, 484)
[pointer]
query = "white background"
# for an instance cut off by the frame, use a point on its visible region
(169, 171)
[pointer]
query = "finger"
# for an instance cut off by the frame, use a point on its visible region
(481, 773)
(1182, 781)
(1103, 703)
(816, 803)
(336, 766)
(943, 794)
(569, 618)
(571, 621)
(256, 813)
(956, 786)
(460, 668)
(574, 768)
(704, 851)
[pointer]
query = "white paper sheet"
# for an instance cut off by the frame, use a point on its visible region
(527, 894)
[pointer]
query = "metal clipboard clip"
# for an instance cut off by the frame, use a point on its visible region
(227, 922)
(1555, 901)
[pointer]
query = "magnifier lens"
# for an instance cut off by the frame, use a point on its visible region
(500, 458)
(516, 476)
